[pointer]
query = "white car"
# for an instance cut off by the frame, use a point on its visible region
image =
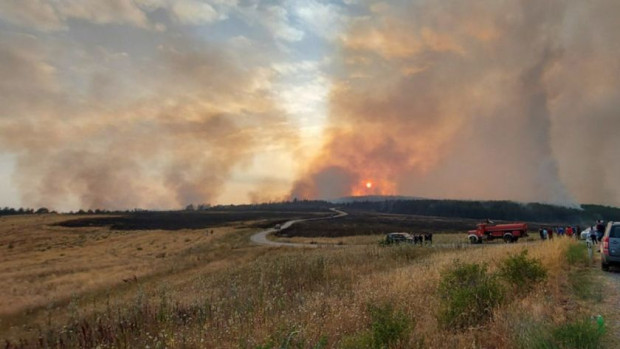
(585, 233)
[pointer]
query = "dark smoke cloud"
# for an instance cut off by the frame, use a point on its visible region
(475, 100)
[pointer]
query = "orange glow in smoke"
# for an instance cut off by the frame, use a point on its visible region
(377, 186)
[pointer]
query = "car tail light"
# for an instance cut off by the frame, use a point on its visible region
(606, 245)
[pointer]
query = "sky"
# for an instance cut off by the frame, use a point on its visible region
(156, 104)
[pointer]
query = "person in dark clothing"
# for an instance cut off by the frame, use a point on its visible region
(593, 235)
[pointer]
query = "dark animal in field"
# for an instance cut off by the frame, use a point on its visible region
(428, 238)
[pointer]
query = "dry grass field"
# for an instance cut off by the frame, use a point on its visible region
(43, 263)
(75, 287)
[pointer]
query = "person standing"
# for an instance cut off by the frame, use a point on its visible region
(593, 236)
(540, 232)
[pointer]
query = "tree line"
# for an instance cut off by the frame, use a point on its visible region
(499, 210)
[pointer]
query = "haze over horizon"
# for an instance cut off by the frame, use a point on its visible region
(157, 104)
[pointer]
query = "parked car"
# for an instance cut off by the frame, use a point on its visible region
(585, 234)
(396, 238)
(610, 246)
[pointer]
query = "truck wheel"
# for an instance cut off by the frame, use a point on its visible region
(473, 240)
(605, 266)
(508, 238)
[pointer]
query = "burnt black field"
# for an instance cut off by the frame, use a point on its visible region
(360, 222)
(365, 217)
(256, 216)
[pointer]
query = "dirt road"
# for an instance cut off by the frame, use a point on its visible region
(260, 238)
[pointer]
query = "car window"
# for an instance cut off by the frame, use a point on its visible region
(615, 232)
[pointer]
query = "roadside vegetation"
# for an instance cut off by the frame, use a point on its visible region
(218, 290)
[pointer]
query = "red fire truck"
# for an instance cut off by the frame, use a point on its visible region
(508, 232)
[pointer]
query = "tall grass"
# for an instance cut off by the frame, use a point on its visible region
(577, 255)
(469, 295)
(362, 296)
(522, 272)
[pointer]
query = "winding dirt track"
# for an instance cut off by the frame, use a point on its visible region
(260, 238)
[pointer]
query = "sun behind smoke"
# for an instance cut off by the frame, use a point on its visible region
(368, 185)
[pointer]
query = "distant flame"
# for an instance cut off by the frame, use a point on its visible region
(376, 186)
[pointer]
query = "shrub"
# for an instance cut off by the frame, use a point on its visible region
(522, 272)
(577, 254)
(389, 326)
(468, 295)
(582, 334)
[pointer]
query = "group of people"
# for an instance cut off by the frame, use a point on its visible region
(547, 233)
(423, 239)
(596, 231)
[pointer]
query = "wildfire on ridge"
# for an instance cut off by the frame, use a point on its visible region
(373, 187)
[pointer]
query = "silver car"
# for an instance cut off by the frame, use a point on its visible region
(396, 238)
(585, 234)
(610, 246)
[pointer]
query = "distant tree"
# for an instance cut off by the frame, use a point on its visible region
(42, 210)
(190, 207)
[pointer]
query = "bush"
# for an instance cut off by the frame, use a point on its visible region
(582, 334)
(388, 326)
(522, 272)
(468, 295)
(577, 254)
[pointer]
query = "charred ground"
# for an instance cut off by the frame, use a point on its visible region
(258, 216)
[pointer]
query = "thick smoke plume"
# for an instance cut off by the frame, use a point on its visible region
(160, 122)
(475, 100)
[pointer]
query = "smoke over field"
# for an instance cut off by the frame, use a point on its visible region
(154, 119)
(496, 100)
(158, 104)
